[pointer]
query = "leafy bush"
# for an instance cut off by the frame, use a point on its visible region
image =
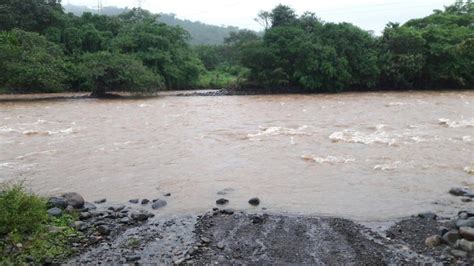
(24, 230)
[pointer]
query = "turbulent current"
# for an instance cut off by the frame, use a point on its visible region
(367, 156)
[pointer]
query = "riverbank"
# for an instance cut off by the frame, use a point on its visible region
(229, 236)
(134, 232)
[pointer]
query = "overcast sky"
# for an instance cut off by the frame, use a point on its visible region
(367, 14)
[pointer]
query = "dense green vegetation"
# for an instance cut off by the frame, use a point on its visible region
(56, 51)
(201, 34)
(305, 52)
(26, 229)
(43, 49)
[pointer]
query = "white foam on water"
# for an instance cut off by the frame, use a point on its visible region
(143, 105)
(418, 139)
(122, 143)
(16, 166)
(467, 138)
(281, 131)
(387, 166)
(50, 152)
(395, 104)
(327, 159)
(8, 130)
(469, 170)
(456, 124)
(353, 136)
(48, 132)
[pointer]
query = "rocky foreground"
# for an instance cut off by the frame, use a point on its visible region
(131, 233)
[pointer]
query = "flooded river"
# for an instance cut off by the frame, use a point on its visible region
(370, 156)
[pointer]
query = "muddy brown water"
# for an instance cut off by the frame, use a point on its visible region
(364, 156)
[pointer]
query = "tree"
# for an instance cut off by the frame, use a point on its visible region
(104, 71)
(30, 63)
(29, 15)
(283, 16)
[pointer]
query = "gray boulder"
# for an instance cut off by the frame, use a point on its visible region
(58, 202)
(157, 204)
(74, 199)
(55, 212)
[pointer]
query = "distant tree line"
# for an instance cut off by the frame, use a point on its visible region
(43, 49)
(201, 33)
(303, 52)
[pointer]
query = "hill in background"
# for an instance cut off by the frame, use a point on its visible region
(200, 33)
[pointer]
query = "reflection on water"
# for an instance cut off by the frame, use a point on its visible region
(365, 156)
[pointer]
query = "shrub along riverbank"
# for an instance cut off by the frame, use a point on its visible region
(27, 232)
(52, 51)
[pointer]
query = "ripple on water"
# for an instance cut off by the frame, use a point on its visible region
(280, 131)
(456, 124)
(328, 159)
(353, 136)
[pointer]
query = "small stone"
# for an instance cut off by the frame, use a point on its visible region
(254, 201)
(103, 230)
(88, 207)
(100, 201)
(55, 229)
(178, 261)
(134, 201)
(466, 200)
(451, 237)
(458, 253)
(139, 216)
(228, 211)
(80, 226)
(465, 245)
(462, 192)
(220, 246)
(443, 230)
(467, 233)
(158, 204)
(433, 241)
(117, 208)
(55, 212)
(85, 216)
(124, 220)
(145, 201)
(205, 240)
(58, 202)
(428, 215)
(222, 201)
(133, 258)
(167, 194)
(465, 222)
(257, 220)
(69, 209)
(74, 199)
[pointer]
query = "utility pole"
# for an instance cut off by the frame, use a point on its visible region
(99, 7)
(139, 3)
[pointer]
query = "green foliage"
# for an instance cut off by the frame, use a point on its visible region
(201, 34)
(104, 71)
(24, 225)
(20, 213)
(30, 62)
(304, 52)
(217, 79)
(430, 52)
(29, 15)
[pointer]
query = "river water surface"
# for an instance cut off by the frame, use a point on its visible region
(370, 156)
